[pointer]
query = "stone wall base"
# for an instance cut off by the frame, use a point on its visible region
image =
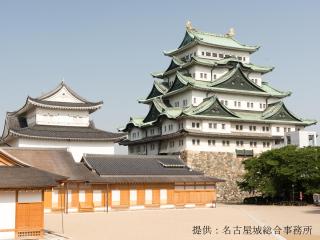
(221, 165)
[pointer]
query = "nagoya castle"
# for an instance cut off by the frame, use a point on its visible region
(213, 107)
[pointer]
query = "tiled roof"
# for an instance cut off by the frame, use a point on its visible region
(60, 132)
(143, 168)
(27, 177)
(193, 36)
(69, 105)
(56, 161)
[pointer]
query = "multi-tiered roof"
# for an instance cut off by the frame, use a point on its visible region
(18, 125)
(235, 81)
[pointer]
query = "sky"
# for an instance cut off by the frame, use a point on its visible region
(106, 50)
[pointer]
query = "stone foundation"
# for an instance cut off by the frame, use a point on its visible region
(221, 165)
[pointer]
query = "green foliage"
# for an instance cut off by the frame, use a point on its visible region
(274, 172)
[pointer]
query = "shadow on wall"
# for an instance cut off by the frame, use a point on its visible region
(120, 149)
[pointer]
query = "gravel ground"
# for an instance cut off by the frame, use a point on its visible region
(223, 222)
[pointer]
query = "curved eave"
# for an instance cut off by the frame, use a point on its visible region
(302, 123)
(17, 134)
(221, 90)
(171, 53)
(43, 105)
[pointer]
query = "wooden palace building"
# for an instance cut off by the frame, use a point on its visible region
(22, 198)
(111, 182)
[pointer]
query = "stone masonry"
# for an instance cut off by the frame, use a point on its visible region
(221, 165)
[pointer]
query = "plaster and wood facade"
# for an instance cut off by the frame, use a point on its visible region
(212, 98)
(22, 199)
(58, 119)
(116, 182)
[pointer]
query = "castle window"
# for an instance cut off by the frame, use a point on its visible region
(194, 100)
(176, 104)
(235, 103)
(152, 147)
(278, 129)
(185, 102)
(251, 105)
(253, 144)
(244, 58)
(201, 75)
(252, 128)
(220, 55)
(171, 144)
(223, 126)
(193, 142)
(239, 58)
(239, 127)
(198, 141)
(226, 102)
(239, 104)
(202, 53)
(214, 76)
(181, 142)
(205, 75)
(214, 55)
(289, 129)
(225, 143)
(208, 54)
(211, 142)
(239, 143)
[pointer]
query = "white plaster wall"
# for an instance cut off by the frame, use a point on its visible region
(165, 126)
(136, 133)
(301, 138)
(77, 148)
(205, 126)
(60, 117)
(222, 51)
(188, 52)
(219, 147)
(29, 196)
(255, 76)
(7, 213)
(186, 95)
(63, 95)
(155, 149)
(231, 98)
(197, 70)
(281, 131)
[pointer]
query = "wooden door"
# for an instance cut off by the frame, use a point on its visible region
(29, 219)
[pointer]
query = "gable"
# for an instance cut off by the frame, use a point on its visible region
(284, 115)
(152, 114)
(177, 84)
(216, 109)
(238, 81)
(154, 92)
(63, 95)
(186, 40)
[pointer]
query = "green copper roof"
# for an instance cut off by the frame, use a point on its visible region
(233, 81)
(158, 89)
(230, 62)
(193, 36)
(211, 108)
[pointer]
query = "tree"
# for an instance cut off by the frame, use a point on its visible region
(276, 172)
